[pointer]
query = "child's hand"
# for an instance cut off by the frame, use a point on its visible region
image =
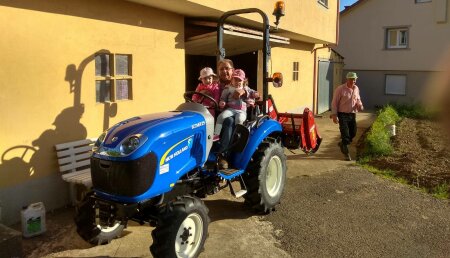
(221, 104)
(256, 95)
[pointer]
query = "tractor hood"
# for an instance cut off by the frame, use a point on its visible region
(134, 137)
(133, 157)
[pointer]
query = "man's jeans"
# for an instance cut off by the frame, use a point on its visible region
(347, 126)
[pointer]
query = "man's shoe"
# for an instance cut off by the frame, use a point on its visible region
(223, 164)
(343, 148)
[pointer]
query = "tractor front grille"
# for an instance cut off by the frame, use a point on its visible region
(128, 178)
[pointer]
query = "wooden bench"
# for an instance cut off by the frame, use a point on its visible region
(74, 164)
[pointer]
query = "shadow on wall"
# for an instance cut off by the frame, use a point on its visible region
(21, 164)
(114, 11)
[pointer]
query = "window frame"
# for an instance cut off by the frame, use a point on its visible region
(386, 85)
(398, 30)
(422, 1)
(295, 71)
(113, 77)
(323, 3)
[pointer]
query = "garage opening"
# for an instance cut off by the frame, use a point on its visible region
(242, 46)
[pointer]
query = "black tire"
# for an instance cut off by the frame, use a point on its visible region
(171, 234)
(89, 230)
(265, 177)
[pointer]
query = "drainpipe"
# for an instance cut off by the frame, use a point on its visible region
(337, 23)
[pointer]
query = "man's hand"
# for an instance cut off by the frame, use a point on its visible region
(238, 93)
(221, 104)
(335, 119)
(359, 106)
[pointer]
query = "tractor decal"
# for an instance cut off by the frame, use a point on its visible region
(168, 156)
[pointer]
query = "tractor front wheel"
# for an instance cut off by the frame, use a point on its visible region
(91, 232)
(181, 229)
(266, 176)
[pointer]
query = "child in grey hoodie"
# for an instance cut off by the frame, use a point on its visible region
(236, 107)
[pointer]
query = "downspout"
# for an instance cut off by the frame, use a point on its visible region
(337, 24)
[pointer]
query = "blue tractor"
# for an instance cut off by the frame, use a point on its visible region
(156, 168)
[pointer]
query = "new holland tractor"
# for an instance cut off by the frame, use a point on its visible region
(156, 168)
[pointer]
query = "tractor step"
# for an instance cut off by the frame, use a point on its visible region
(241, 192)
(230, 173)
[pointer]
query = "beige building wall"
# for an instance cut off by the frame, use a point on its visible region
(307, 21)
(293, 96)
(48, 75)
(47, 49)
(308, 18)
(362, 35)
(362, 42)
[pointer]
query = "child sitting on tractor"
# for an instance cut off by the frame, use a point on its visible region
(235, 107)
(208, 86)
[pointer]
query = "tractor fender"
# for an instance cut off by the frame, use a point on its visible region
(268, 127)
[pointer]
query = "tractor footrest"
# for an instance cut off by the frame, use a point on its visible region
(230, 173)
(240, 193)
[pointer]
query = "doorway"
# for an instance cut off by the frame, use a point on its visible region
(247, 62)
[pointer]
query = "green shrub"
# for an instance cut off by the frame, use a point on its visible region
(378, 142)
(388, 116)
(415, 111)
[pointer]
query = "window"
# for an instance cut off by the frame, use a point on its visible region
(323, 2)
(112, 77)
(422, 1)
(397, 38)
(295, 71)
(395, 84)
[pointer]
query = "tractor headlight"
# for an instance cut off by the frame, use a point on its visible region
(99, 141)
(131, 144)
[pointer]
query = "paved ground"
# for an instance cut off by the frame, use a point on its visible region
(330, 208)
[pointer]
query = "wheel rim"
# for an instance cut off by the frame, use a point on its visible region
(109, 229)
(273, 176)
(189, 236)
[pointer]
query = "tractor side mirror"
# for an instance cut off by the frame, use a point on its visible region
(277, 80)
(278, 11)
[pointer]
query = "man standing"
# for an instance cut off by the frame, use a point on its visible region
(346, 103)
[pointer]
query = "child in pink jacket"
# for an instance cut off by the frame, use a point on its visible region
(208, 86)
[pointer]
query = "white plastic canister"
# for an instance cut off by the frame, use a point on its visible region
(33, 219)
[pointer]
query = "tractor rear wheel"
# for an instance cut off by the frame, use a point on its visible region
(266, 176)
(181, 229)
(89, 230)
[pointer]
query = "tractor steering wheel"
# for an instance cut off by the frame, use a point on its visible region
(189, 94)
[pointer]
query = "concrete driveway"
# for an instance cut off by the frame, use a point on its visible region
(330, 208)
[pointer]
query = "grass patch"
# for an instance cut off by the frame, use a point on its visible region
(384, 173)
(441, 191)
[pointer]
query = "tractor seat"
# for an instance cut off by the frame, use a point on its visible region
(253, 112)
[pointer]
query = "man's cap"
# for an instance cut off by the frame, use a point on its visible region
(205, 72)
(238, 73)
(351, 75)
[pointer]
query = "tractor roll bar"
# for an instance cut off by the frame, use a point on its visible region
(266, 44)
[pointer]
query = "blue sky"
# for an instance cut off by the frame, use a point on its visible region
(344, 3)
